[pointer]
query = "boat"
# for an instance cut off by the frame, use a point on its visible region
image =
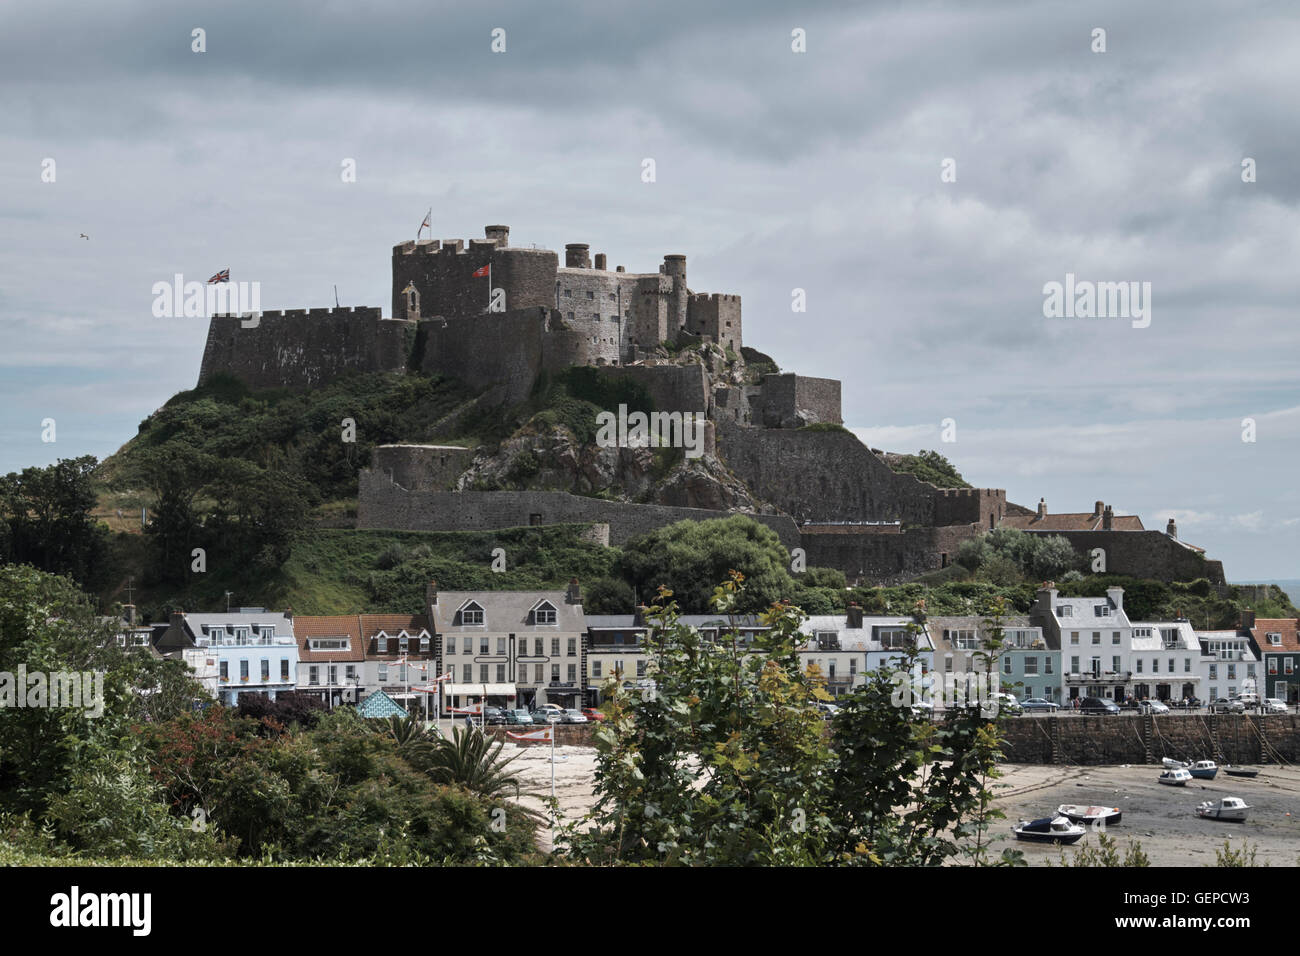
(1090, 816)
(1203, 769)
(1241, 771)
(1172, 764)
(1175, 778)
(1049, 830)
(1232, 809)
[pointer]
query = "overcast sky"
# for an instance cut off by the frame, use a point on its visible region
(775, 170)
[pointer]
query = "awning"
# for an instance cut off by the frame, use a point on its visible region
(481, 690)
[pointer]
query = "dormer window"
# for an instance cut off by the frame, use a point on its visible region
(1101, 610)
(424, 641)
(544, 613)
(471, 614)
(1065, 611)
(1275, 640)
(381, 643)
(402, 643)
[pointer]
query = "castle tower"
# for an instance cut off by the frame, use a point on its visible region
(577, 256)
(675, 267)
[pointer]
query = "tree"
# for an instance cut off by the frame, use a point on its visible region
(685, 557)
(47, 517)
(932, 467)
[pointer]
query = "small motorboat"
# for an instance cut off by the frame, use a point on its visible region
(1171, 764)
(1232, 809)
(1175, 778)
(1090, 816)
(1203, 769)
(1241, 771)
(1049, 830)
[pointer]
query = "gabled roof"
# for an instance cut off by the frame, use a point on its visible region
(392, 626)
(1070, 521)
(308, 626)
(506, 611)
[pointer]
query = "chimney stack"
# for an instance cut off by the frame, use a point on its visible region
(288, 613)
(1107, 518)
(855, 615)
(1097, 509)
(128, 613)
(574, 594)
(1247, 619)
(600, 261)
(1116, 596)
(1171, 529)
(431, 594)
(499, 234)
(1042, 509)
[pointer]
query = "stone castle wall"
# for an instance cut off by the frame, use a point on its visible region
(787, 400)
(883, 555)
(304, 348)
(1145, 554)
(385, 505)
(672, 388)
(422, 467)
(442, 272)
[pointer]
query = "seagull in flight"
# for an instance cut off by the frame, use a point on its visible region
(84, 236)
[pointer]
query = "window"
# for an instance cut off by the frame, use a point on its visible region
(1074, 637)
(1114, 638)
(1187, 665)
(573, 674)
(1096, 666)
(1065, 611)
(284, 670)
(383, 672)
(640, 668)
(1074, 665)
(1250, 670)
(595, 669)
(243, 670)
(501, 673)
(467, 673)
(555, 673)
(853, 665)
(1114, 664)
(1096, 637)
(328, 644)
(350, 672)
(1290, 667)
(472, 615)
(894, 639)
(501, 646)
(947, 663)
(1006, 664)
(225, 671)
(1031, 666)
(1029, 692)
(1101, 610)
(403, 644)
(482, 673)
(964, 640)
(1214, 672)
(483, 645)
(537, 673)
(537, 647)
(1155, 665)
(266, 670)
(568, 293)
(424, 642)
(1047, 665)
(313, 675)
(1275, 639)
(1232, 672)
(573, 647)
(334, 674)
(1138, 664)
(545, 614)
(1272, 665)
(591, 294)
(555, 647)
(381, 644)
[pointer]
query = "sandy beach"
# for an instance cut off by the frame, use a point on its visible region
(1159, 817)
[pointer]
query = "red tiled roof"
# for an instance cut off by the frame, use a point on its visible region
(393, 625)
(1288, 627)
(307, 626)
(1076, 521)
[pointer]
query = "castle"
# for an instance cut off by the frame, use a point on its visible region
(499, 317)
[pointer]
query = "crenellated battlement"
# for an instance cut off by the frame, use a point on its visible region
(715, 297)
(356, 311)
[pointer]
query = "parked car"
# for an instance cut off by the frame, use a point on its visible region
(518, 717)
(828, 710)
(543, 716)
(573, 716)
(1098, 705)
(1008, 704)
(591, 713)
(494, 715)
(1035, 705)
(1223, 705)
(1154, 707)
(1274, 706)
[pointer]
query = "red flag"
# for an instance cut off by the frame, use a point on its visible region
(481, 272)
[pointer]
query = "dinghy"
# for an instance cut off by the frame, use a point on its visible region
(1171, 764)
(1090, 816)
(1241, 771)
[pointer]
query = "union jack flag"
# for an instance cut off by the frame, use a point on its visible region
(222, 276)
